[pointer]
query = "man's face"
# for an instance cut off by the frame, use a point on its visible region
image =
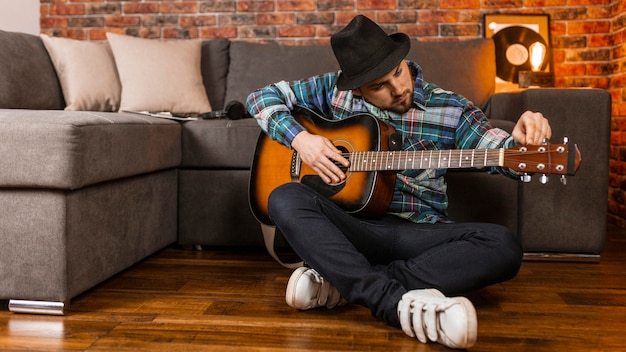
(393, 91)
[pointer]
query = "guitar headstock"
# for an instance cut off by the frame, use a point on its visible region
(547, 159)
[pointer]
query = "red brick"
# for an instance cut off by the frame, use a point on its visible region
(123, 21)
(420, 30)
(598, 12)
(598, 69)
(295, 5)
(557, 29)
(544, 3)
(275, 18)
(327, 18)
(180, 33)
(141, 8)
(179, 7)
(588, 2)
(53, 22)
(100, 33)
(589, 27)
(439, 16)
(619, 109)
(62, 9)
(502, 4)
(296, 31)
(599, 40)
(344, 18)
(324, 32)
(460, 4)
(218, 32)
(217, 6)
(397, 17)
(576, 69)
(335, 5)
(197, 21)
(255, 6)
(376, 4)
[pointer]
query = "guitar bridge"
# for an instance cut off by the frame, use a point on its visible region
(295, 167)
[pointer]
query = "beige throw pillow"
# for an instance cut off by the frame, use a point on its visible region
(87, 73)
(160, 75)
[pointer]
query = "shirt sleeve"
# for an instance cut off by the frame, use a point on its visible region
(475, 132)
(271, 105)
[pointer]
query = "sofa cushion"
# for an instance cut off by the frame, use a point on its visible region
(87, 72)
(27, 77)
(255, 65)
(473, 75)
(71, 149)
(160, 75)
(220, 143)
(214, 67)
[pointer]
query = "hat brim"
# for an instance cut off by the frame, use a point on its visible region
(403, 45)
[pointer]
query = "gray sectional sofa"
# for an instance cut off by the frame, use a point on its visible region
(86, 194)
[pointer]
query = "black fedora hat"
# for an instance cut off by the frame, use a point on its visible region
(365, 52)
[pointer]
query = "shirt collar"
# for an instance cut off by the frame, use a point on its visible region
(418, 88)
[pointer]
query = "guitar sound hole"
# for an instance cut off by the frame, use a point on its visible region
(345, 153)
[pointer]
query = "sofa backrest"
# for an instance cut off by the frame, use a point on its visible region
(27, 77)
(254, 65)
(466, 67)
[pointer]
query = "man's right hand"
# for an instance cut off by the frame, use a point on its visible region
(318, 152)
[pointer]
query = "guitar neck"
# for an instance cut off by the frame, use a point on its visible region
(426, 159)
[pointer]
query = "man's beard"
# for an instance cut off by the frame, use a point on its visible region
(404, 106)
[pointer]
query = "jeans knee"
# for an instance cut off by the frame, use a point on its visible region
(511, 252)
(284, 199)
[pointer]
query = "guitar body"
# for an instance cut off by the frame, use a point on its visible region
(362, 193)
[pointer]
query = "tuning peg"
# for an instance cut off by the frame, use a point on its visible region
(563, 180)
(525, 177)
(565, 140)
(543, 179)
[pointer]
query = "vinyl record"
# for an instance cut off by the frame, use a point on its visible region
(512, 51)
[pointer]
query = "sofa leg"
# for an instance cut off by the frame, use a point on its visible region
(37, 307)
(562, 257)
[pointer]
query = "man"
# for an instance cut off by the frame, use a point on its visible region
(401, 265)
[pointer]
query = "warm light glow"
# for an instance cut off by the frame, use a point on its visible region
(537, 54)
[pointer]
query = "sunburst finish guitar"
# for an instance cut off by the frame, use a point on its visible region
(373, 149)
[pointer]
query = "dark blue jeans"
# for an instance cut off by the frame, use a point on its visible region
(374, 262)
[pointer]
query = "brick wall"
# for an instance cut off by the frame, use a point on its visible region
(587, 36)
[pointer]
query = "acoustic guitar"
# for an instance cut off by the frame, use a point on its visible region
(374, 151)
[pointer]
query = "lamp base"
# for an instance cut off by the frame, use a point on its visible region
(535, 79)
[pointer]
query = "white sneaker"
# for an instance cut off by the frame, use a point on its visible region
(307, 289)
(429, 315)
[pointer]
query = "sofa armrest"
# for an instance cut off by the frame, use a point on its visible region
(572, 217)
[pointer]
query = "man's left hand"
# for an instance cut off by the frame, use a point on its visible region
(532, 128)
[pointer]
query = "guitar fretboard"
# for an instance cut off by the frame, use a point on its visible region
(427, 159)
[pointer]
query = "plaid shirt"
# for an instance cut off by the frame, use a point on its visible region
(439, 120)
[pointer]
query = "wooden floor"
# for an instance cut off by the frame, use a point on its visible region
(213, 300)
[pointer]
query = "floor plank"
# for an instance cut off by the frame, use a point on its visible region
(224, 300)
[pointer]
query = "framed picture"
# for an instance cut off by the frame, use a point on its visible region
(522, 44)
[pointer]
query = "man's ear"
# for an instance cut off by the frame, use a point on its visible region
(357, 92)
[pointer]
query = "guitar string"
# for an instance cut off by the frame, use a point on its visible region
(490, 157)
